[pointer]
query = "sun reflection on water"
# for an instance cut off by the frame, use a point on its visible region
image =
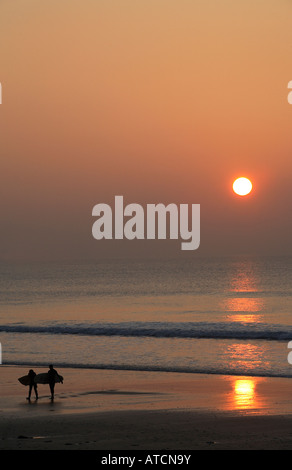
(244, 278)
(247, 356)
(244, 309)
(244, 302)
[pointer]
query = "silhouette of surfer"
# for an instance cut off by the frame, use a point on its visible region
(52, 374)
(32, 384)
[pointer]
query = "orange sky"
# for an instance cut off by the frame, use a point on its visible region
(156, 100)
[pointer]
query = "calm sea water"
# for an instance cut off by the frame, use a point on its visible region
(224, 316)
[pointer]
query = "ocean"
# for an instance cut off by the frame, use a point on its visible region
(229, 316)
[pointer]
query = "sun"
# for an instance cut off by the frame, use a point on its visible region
(242, 186)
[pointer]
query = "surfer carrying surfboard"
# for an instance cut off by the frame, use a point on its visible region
(52, 375)
(32, 383)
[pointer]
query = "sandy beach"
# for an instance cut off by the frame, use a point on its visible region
(104, 410)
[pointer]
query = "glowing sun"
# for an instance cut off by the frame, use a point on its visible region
(242, 186)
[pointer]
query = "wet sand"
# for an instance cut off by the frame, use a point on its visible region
(112, 410)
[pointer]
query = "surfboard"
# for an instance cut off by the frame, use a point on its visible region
(44, 378)
(25, 380)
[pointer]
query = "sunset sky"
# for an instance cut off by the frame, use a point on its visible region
(156, 100)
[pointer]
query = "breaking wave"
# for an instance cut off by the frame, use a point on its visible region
(219, 330)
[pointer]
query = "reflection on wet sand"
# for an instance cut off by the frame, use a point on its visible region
(244, 395)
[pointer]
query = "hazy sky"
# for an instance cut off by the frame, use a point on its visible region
(156, 100)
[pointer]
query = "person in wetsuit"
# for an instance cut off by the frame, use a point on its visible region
(52, 373)
(32, 384)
